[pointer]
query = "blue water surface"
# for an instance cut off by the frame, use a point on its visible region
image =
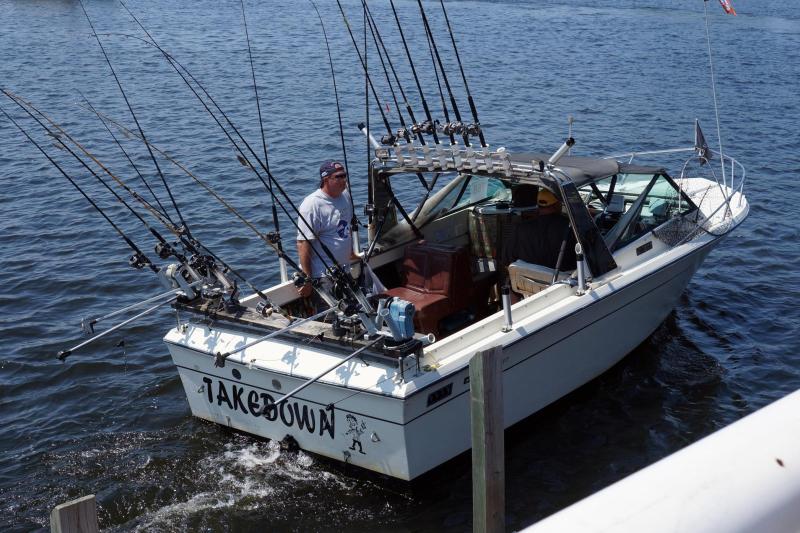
(113, 421)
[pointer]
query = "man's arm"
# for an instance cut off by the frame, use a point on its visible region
(304, 254)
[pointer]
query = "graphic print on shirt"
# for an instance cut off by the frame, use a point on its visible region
(341, 229)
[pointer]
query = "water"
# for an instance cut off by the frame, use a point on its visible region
(115, 422)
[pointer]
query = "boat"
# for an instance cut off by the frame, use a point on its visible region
(401, 407)
(378, 376)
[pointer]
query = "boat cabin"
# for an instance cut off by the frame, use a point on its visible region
(441, 238)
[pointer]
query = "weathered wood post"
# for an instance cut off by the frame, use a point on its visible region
(488, 468)
(76, 516)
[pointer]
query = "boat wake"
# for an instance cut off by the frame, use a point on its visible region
(245, 479)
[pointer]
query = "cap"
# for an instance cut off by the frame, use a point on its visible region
(329, 168)
(546, 198)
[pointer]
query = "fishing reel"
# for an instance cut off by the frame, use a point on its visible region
(389, 139)
(452, 128)
(473, 129)
(138, 261)
(426, 127)
(203, 265)
(274, 237)
(165, 250)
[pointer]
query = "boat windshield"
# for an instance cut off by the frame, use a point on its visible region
(630, 205)
(450, 191)
(426, 196)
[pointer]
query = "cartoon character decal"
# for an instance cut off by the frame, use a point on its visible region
(355, 431)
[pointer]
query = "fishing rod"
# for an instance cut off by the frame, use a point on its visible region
(133, 115)
(404, 131)
(266, 238)
(165, 250)
(409, 110)
(275, 222)
(389, 138)
(429, 126)
(192, 244)
(138, 260)
(449, 131)
(475, 127)
(128, 157)
(354, 222)
(337, 271)
(459, 126)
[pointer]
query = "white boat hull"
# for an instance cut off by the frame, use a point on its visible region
(406, 436)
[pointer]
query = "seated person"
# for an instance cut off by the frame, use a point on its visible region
(538, 240)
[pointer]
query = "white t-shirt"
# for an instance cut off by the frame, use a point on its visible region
(329, 219)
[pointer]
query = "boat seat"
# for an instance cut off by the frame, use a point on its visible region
(437, 279)
(528, 279)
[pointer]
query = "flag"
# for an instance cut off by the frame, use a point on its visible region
(727, 6)
(700, 144)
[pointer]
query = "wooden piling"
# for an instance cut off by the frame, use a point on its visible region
(76, 516)
(488, 468)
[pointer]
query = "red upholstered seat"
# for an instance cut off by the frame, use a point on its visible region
(437, 280)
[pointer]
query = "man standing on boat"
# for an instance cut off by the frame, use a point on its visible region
(328, 214)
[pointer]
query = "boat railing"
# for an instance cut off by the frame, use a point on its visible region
(730, 178)
(729, 184)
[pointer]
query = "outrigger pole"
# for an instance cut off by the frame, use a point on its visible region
(281, 257)
(62, 355)
(219, 359)
(323, 374)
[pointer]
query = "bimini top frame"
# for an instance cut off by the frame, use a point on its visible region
(563, 177)
(522, 167)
